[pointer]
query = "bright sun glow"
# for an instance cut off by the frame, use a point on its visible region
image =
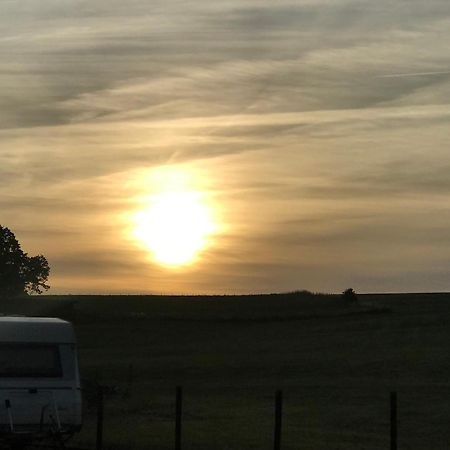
(174, 227)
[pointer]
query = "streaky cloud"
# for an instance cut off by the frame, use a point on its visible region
(414, 74)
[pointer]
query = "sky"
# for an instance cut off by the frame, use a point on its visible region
(316, 131)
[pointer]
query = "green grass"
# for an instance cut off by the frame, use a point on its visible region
(336, 364)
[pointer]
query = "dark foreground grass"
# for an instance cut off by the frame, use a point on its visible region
(336, 364)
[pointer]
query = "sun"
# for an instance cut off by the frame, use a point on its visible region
(174, 227)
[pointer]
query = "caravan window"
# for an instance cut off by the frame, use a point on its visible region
(29, 360)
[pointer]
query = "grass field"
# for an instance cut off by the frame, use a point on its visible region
(336, 364)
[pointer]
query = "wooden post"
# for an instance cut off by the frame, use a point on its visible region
(393, 420)
(100, 406)
(178, 413)
(10, 419)
(278, 416)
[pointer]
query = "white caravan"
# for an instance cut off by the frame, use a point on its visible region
(40, 392)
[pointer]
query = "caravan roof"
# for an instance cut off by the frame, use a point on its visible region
(36, 329)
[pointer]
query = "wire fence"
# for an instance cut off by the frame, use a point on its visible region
(278, 420)
(302, 418)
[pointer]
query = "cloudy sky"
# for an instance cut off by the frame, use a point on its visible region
(317, 129)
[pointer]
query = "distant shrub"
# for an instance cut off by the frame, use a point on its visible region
(302, 293)
(349, 295)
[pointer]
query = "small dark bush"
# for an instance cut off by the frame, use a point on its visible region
(349, 295)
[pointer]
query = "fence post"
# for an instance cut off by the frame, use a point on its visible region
(178, 412)
(278, 415)
(100, 407)
(393, 420)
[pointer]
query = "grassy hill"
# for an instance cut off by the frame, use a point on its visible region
(336, 363)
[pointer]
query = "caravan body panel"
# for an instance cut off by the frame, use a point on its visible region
(39, 377)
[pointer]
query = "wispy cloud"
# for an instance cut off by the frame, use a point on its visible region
(415, 74)
(300, 112)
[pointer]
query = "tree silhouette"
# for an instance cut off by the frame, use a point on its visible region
(349, 295)
(20, 274)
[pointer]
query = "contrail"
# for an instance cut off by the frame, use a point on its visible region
(414, 74)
